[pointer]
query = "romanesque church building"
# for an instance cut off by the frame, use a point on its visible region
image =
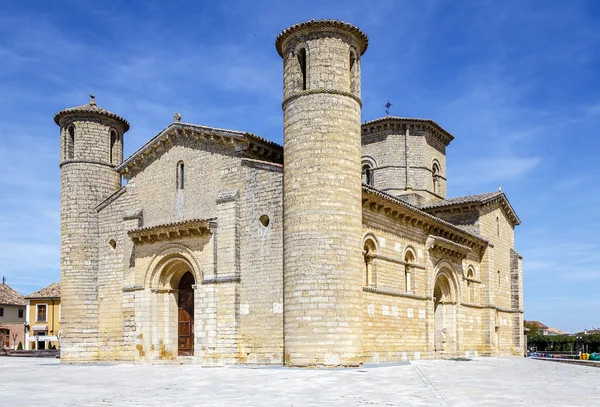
(338, 248)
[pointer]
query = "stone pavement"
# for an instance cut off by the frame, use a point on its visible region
(481, 382)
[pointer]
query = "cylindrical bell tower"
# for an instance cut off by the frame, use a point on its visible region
(91, 146)
(323, 270)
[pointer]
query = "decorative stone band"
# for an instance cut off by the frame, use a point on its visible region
(396, 260)
(87, 162)
(320, 91)
(447, 246)
(188, 228)
(395, 293)
(131, 288)
(494, 307)
(221, 280)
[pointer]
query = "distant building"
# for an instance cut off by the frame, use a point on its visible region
(546, 330)
(12, 317)
(43, 313)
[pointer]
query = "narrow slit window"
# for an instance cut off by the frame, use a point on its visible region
(302, 62)
(180, 176)
(354, 75)
(367, 175)
(71, 143)
(113, 141)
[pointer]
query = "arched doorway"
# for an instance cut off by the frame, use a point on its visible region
(444, 311)
(185, 318)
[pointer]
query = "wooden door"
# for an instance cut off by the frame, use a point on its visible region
(186, 315)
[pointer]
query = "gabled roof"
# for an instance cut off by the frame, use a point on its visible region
(387, 123)
(247, 144)
(90, 108)
(8, 296)
(51, 291)
(477, 199)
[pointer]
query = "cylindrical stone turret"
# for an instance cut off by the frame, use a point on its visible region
(91, 146)
(323, 270)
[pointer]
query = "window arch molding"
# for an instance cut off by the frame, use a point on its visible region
(435, 175)
(370, 246)
(367, 166)
(470, 276)
(410, 259)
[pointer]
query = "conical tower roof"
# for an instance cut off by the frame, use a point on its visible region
(90, 108)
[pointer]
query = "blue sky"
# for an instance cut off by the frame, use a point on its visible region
(517, 82)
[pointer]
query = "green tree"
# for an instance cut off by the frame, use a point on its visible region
(534, 328)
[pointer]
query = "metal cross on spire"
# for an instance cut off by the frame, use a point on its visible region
(387, 107)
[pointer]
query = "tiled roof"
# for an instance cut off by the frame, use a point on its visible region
(86, 109)
(478, 199)
(52, 291)
(369, 189)
(8, 296)
(461, 200)
(538, 324)
(316, 24)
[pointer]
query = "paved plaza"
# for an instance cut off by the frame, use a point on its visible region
(479, 382)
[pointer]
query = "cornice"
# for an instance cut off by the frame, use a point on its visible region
(400, 124)
(170, 231)
(403, 212)
(447, 247)
(322, 26)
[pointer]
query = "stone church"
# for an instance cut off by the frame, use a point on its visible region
(336, 249)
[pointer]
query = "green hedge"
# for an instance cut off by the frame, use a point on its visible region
(563, 343)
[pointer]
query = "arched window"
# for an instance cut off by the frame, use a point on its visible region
(470, 286)
(113, 141)
(369, 249)
(367, 174)
(435, 174)
(71, 143)
(302, 63)
(180, 175)
(409, 259)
